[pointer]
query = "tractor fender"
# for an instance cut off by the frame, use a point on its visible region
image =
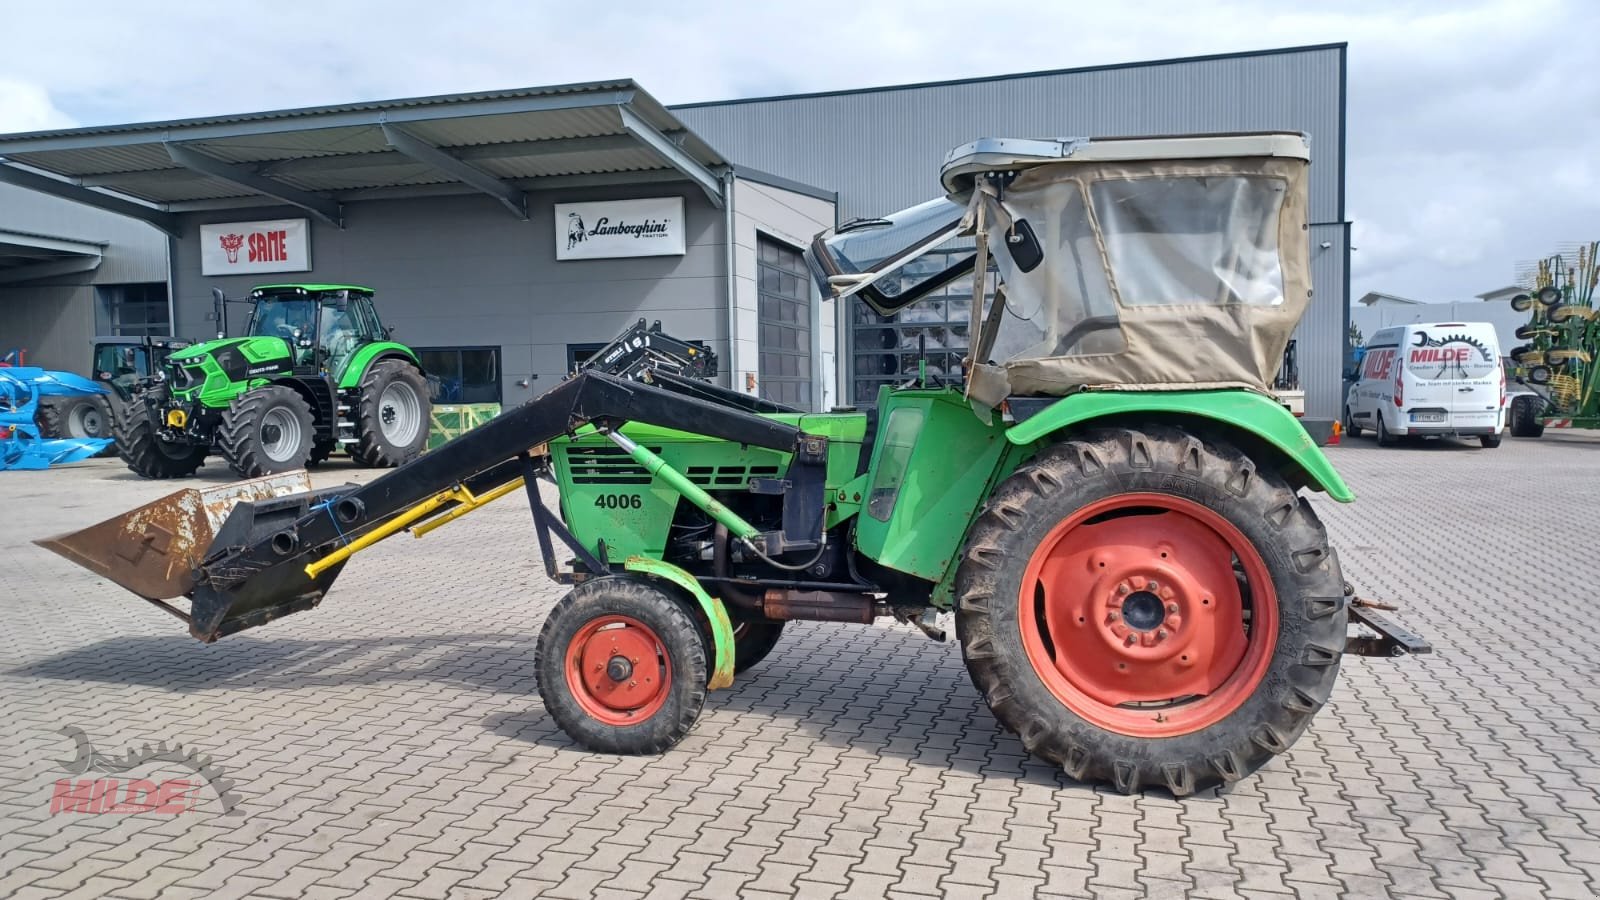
(1260, 417)
(363, 358)
(716, 614)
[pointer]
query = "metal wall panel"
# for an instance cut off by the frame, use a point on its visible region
(460, 271)
(135, 251)
(881, 149)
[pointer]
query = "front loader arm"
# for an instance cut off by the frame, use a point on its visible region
(256, 567)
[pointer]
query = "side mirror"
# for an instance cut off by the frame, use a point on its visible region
(1023, 245)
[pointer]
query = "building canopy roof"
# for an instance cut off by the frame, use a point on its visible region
(502, 143)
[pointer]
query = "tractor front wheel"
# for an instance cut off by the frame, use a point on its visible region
(392, 428)
(266, 431)
(622, 666)
(143, 449)
(1149, 609)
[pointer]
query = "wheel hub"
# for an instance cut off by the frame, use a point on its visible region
(271, 434)
(618, 670)
(1143, 610)
(1134, 617)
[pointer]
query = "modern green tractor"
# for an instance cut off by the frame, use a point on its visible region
(314, 372)
(1112, 504)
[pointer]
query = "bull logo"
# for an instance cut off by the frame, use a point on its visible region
(575, 230)
(230, 245)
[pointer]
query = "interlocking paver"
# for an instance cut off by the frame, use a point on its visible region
(391, 741)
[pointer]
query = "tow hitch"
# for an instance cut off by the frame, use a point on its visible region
(1389, 637)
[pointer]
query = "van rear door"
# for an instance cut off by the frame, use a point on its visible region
(1452, 378)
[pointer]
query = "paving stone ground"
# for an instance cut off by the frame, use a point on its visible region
(392, 742)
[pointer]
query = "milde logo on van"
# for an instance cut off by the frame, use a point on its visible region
(1452, 352)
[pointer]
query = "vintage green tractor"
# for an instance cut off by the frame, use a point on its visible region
(314, 372)
(1113, 505)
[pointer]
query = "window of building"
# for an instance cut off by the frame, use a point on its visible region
(466, 374)
(132, 310)
(886, 348)
(784, 318)
(578, 354)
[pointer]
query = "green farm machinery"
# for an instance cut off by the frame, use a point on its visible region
(314, 372)
(1558, 364)
(1111, 503)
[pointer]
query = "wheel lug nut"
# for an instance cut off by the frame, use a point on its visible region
(1172, 607)
(1161, 635)
(1132, 639)
(1152, 585)
(1123, 589)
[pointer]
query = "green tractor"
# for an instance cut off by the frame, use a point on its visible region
(1111, 502)
(314, 372)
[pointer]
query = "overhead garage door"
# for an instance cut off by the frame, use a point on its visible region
(784, 315)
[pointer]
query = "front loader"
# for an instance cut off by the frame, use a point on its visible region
(314, 372)
(1113, 504)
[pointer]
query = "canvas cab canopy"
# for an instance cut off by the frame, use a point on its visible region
(1152, 263)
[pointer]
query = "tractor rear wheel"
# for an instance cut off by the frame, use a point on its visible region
(1150, 609)
(752, 641)
(1525, 417)
(75, 417)
(143, 449)
(622, 666)
(392, 425)
(267, 430)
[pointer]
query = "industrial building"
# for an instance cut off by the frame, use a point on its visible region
(510, 233)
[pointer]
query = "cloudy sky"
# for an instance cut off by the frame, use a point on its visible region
(1474, 127)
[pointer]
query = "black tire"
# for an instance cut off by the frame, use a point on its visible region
(374, 445)
(1522, 303)
(1350, 426)
(1385, 439)
(1539, 375)
(679, 641)
(1281, 527)
(752, 641)
(266, 431)
(1489, 441)
(75, 417)
(320, 451)
(144, 451)
(1525, 417)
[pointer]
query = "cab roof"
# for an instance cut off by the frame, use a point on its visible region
(1009, 154)
(279, 289)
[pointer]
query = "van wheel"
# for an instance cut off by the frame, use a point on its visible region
(1489, 441)
(1350, 426)
(1385, 439)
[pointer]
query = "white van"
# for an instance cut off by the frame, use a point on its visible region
(1439, 379)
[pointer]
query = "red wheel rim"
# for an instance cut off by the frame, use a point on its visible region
(618, 670)
(1133, 616)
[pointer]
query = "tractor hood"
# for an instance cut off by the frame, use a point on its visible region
(251, 349)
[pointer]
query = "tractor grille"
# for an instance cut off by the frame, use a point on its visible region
(728, 477)
(605, 465)
(611, 465)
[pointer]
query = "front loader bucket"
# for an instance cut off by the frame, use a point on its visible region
(154, 550)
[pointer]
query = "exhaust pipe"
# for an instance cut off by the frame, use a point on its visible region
(818, 606)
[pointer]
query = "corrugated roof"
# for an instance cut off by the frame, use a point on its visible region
(594, 128)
